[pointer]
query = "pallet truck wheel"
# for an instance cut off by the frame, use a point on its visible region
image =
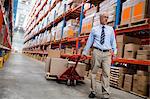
(68, 82)
(74, 82)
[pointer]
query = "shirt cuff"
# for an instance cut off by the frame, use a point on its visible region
(84, 52)
(115, 51)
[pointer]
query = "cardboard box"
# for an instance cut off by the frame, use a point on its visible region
(132, 47)
(69, 51)
(129, 54)
(127, 39)
(128, 78)
(135, 83)
(126, 12)
(143, 85)
(121, 80)
(93, 10)
(146, 47)
(143, 52)
(128, 82)
(140, 83)
(54, 53)
(127, 86)
(120, 47)
(56, 66)
(143, 57)
(140, 10)
(142, 73)
(81, 68)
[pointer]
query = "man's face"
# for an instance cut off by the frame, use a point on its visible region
(104, 19)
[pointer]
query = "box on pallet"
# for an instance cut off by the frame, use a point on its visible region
(81, 67)
(56, 66)
(53, 53)
(58, 33)
(140, 10)
(74, 3)
(87, 24)
(70, 31)
(91, 11)
(69, 51)
(126, 11)
(72, 22)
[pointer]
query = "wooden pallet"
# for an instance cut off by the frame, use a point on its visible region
(84, 34)
(50, 77)
(123, 26)
(140, 22)
(134, 24)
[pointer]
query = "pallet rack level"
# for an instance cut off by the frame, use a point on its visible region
(8, 30)
(80, 38)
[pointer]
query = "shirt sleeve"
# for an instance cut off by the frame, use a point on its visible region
(89, 43)
(113, 42)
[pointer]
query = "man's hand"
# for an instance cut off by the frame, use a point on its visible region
(83, 57)
(114, 55)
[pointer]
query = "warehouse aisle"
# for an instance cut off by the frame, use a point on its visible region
(23, 78)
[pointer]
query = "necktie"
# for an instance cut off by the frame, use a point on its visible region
(102, 36)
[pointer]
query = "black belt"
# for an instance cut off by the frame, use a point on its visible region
(101, 49)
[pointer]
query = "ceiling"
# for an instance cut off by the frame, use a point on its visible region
(23, 10)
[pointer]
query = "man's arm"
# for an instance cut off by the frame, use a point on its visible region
(89, 43)
(113, 43)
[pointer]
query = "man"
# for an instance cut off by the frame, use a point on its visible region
(102, 37)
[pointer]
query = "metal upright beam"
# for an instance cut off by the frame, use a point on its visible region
(81, 18)
(118, 13)
(62, 30)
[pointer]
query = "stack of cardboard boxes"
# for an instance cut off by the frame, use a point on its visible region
(71, 29)
(134, 10)
(140, 83)
(130, 50)
(144, 53)
(87, 22)
(122, 40)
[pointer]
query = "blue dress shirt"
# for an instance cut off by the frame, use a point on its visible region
(95, 36)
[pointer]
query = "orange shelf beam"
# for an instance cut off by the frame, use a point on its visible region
(133, 29)
(132, 61)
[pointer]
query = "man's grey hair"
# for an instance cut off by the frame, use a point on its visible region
(103, 13)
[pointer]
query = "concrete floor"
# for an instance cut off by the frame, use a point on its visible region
(23, 78)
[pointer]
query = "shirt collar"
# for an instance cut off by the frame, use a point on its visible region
(102, 25)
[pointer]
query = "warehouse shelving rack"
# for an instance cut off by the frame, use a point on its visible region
(79, 11)
(75, 41)
(7, 39)
(6, 30)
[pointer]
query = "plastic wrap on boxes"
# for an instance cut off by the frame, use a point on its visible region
(70, 31)
(87, 24)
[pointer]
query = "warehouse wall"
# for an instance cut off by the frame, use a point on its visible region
(18, 41)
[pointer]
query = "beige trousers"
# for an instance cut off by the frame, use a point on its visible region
(101, 59)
